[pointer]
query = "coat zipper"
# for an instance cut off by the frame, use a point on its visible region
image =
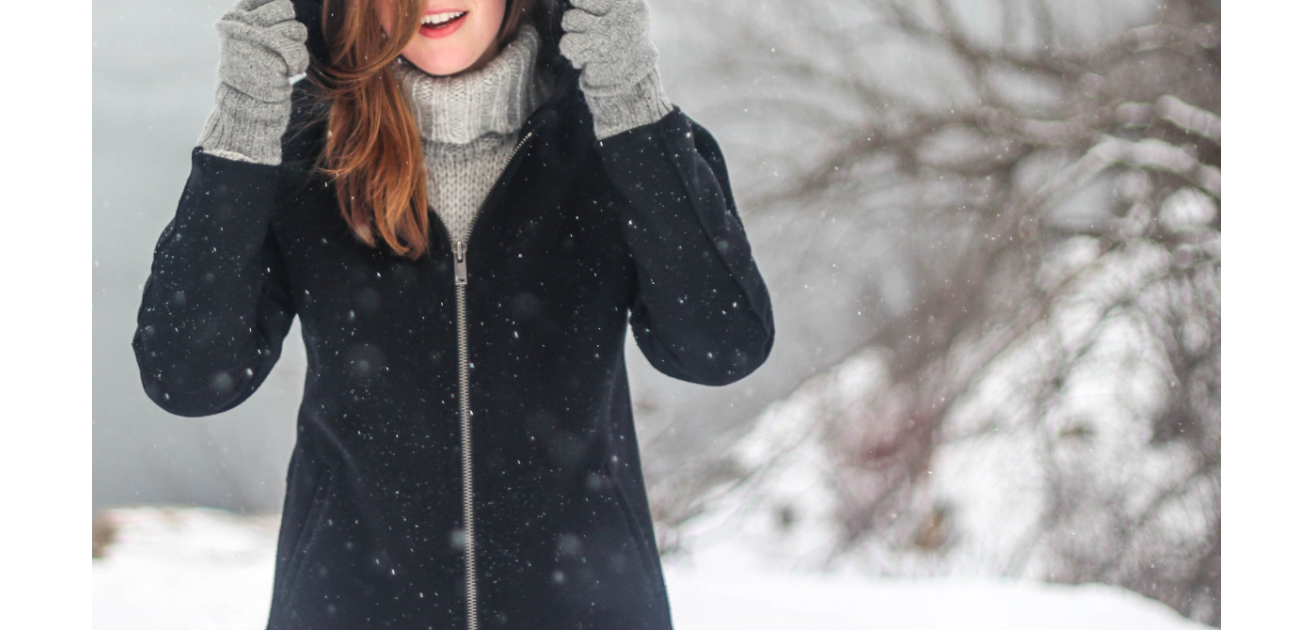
(459, 248)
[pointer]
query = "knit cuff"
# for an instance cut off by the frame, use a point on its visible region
(244, 128)
(643, 103)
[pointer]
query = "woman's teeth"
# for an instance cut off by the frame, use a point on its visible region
(442, 19)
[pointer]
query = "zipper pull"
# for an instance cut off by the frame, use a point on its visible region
(459, 249)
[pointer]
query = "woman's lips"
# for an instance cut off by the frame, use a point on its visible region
(445, 29)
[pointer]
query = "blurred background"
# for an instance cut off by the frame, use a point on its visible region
(991, 230)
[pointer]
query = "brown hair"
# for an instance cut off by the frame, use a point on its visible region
(372, 149)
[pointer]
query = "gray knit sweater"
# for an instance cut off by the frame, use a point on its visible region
(468, 122)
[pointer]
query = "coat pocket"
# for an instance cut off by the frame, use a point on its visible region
(638, 533)
(307, 530)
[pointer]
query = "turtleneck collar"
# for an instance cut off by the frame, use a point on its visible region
(496, 98)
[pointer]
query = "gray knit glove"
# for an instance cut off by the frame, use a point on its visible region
(262, 46)
(609, 41)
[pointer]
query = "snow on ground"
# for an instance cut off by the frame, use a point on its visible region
(204, 569)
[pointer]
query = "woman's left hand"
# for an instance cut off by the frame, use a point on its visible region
(610, 42)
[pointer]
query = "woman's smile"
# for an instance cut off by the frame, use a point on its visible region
(453, 36)
(442, 22)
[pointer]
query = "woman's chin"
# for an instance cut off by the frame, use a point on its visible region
(439, 65)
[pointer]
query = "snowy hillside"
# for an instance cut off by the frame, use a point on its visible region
(203, 569)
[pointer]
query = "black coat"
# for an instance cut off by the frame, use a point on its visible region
(578, 242)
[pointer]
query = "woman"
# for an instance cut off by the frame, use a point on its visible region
(466, 218)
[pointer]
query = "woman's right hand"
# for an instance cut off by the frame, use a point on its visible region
(262, 45)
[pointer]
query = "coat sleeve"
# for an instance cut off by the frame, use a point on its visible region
(699, 309)
(216, 306)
